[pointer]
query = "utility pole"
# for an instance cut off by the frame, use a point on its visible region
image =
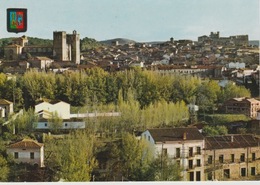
(162, 161)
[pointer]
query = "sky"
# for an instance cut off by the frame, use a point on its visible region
(139, 20)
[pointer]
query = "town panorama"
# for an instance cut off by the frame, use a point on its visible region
(75, 109)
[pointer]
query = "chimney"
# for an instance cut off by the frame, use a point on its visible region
(184, 136)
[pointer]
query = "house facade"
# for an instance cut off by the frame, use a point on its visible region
(27, 151)
(44, 124)
(40, 62)
(60, 107)
(231, 157)
(247, 106)
(184, 145)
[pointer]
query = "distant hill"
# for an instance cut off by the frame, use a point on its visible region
(254, 42)
(5, 41)
(32, 41)
(89, 43)
(121, 41)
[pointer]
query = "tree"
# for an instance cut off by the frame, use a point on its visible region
(25, 122)
(215, 130)
(129, 158)
(71, 158)
(233, 91)
(184, 88)
(4, 172)
(207, 95)
(55, 122)
(135, 155)
(164, 168)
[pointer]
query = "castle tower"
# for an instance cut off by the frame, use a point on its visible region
(74, 41)
(60, 47)
(22, 41)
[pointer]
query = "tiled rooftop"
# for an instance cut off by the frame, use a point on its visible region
(175, 134)
(231, 141)
(26, 143)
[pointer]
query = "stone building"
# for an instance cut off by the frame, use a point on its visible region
(14, 50)
(19, 46)
(184, 145)
(231, 157)
(214, 38)
(247, 106)
(27, 151)
(66, 47)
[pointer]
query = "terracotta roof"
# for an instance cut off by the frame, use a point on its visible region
(175, 134)
(239, 141)
(26, 143)
(5, 102)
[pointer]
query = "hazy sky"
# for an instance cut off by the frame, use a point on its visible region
(140, 20)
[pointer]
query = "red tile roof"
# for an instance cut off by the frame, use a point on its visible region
(225, 142)
(26, 143)
(175, 134)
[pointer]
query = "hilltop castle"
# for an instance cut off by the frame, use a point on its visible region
(66, 47)
(214, 38)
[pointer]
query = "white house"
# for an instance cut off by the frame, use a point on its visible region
(236, 65)
(183, 145)
(27, 151)
(62, 108)
(44, 124)
(6, 108)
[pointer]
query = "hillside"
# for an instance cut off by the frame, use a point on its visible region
(32, 41)
(89, 43)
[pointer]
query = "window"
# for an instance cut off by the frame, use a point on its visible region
(191, 174)
(198, 162)
(242, 157)
(198, 176)
(190, 151)
(66, 124)
(178, 152)
(221, 158)
(164, 151)
(243, 172)
(210, 159)
(226, 173)
(149, 138)
(31, 155)
(198, 150)
(209, 176)
(45, 124)
(232, 158)
(16, 155)
(190, 164)
(253, 156)
(252, 170)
